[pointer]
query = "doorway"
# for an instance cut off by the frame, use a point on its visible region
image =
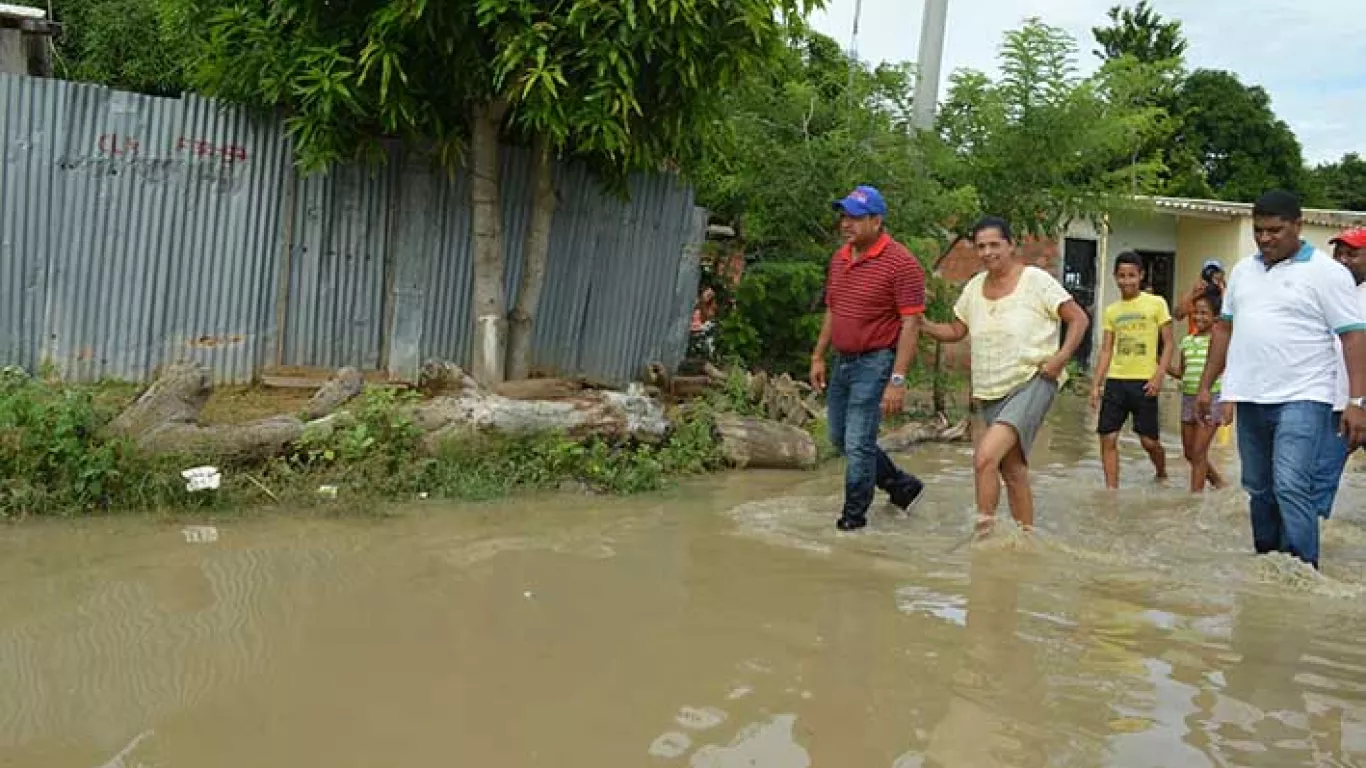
(1160, 268)
(1079, 278)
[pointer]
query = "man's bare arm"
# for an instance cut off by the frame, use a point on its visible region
(1218, 354)
(907, 343)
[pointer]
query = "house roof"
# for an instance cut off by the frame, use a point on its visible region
(21, 12)
(1220, 209)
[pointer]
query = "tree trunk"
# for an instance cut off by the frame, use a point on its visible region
(916, 432)
(604, 413)
(534, 255)
(164, 419)
(763, 444)
(540, 389)
(490, 304)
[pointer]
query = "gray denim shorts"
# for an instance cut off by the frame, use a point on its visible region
(1024, 409)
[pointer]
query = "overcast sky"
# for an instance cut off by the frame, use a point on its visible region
(1310, 54)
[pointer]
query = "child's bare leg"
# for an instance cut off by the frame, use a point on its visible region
(1157, 454)
(1188, 430)
(1204, 435)
(1109, 459)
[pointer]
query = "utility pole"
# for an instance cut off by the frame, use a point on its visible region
(853, 50)
(929, 59)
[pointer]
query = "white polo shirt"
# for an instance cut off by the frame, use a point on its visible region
(1286, 320)
(1344, 384)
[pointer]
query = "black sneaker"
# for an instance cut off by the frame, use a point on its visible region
(906, 498)
(847, 523)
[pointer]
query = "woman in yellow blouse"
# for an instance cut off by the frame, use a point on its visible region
(1012, 314)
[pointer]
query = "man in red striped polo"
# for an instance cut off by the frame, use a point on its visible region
(874, 299)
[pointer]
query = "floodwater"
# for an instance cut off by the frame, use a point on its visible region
(723, 624)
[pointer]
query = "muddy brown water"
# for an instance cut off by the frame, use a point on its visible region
(724, 623)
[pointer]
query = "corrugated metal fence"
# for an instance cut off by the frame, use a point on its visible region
(136, 231)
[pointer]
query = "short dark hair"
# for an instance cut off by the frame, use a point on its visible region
(1213, 298)
(993, 222)
(1280, 204)
(1130, 258)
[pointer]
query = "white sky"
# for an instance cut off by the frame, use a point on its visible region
(1310, 55)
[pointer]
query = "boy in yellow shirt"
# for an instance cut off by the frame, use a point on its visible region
(1134, 356)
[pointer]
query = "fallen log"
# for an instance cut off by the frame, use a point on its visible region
(764, 444)
(164, 420)
(782, 398)
(914, 433)
(439, 377)
(338, 391)
(687, 387)
(540, 389)
(600, 412)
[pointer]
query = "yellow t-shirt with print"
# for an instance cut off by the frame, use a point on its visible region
(1136, 324)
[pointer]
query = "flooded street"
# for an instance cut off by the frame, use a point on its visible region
(725, 623)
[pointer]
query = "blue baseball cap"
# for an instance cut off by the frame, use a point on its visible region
(1212, 263)
(863, 201)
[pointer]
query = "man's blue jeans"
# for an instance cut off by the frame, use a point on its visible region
(1332, 461)
(1280, 446)
(854, 401)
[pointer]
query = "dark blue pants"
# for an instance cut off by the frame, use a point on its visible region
(1281, 446)
(1332, 460)
(854, 401)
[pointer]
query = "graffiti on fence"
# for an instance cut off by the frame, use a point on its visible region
(185, 168)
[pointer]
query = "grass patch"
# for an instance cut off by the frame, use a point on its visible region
(55, 460)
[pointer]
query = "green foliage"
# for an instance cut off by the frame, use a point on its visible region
(379, 456)
(1240, 147)
(129, 44)
(1342, 184)
(1042, 146)
(54, 460)
(383, 436)
(620, 85)
(805, 131)
(1140, 32)
(777, 317)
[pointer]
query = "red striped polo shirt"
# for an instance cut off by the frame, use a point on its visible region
(868, 296)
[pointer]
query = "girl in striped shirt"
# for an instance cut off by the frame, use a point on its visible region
(1188, 366)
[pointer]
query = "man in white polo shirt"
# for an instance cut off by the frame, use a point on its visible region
(1282, 309)
(1349, 250)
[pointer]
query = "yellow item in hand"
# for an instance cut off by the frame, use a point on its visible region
(1224, 434)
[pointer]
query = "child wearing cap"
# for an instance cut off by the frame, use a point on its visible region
(1211, 278)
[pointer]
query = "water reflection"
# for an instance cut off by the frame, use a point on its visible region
(722, 624)
(996, 714)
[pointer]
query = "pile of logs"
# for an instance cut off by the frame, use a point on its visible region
(165, 419)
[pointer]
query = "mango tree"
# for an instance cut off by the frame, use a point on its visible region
(621, 86)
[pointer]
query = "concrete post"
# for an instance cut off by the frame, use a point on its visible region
(13, 52)
(929, 60)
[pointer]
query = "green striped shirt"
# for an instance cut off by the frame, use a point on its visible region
(1195, 351)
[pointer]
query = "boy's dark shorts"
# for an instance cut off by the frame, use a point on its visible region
(1122, 398)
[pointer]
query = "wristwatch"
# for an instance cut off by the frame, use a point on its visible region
(1357, 402)
(900, 381)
